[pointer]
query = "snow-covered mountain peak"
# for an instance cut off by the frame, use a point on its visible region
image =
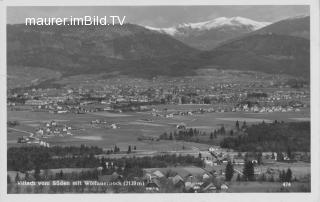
(213, 24)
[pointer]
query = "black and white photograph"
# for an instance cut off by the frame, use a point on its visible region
(171, 99)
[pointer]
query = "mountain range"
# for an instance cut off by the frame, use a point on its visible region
(298, 26)
(208, 34)
(281, 47)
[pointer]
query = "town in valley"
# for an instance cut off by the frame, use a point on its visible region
(134, 109)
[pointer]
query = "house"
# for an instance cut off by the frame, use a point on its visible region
(208, 162)
(169, 116)
(153, 186)
(205, 176)
(193, 186)
(158, 174)
(181, 126)
(113, 126)
(39, 132)
(178, 181)
(154, 175)
(224, 187)
(208, 187)
(35, 102)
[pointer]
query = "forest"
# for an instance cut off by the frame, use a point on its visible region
(35, 158)
(272, 137)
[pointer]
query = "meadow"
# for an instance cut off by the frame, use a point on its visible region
(133, 125)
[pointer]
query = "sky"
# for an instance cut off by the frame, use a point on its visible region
(160, 16)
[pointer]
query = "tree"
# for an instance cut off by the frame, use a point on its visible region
(8, 179)
(262, 178)
(27, 177)
(229, 171)
(37, 173)
(280, 156)
(238, 178)
(223, 130)
(17, 178)
(244, 125)
(211, 136)
(282, 176)
(164, 136)
(116, 149)
(215, 134)
(248, 171)
(289, 152)
(237, 125)
(288, 177)
(259, 158)
(271, 179)
(61, 174)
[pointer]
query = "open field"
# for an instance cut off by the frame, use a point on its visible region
(132, 125)
(248, 120)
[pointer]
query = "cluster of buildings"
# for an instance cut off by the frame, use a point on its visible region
(263, 109)
(53, 129)
(103, 124)
(121, 95)
(182, 179)
(32, 140)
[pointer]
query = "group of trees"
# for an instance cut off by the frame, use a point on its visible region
(285, 176)
(229, 171)
(12, 124)
(193, 134)
(243, 127)
(116, 149)
(48, 175)
(276, 136)
(186, 135)
(32, 157)
(39, 158)
(83, 150)
(130, 149)
(248, 172)
(132, 167)
(257, 95)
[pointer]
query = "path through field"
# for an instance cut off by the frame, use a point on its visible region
(22, 131)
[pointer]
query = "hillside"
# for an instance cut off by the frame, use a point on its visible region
(139, 52)
(269, 53)
(296, 26)
(93, 49)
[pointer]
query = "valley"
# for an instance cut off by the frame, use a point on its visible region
(218, 105)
